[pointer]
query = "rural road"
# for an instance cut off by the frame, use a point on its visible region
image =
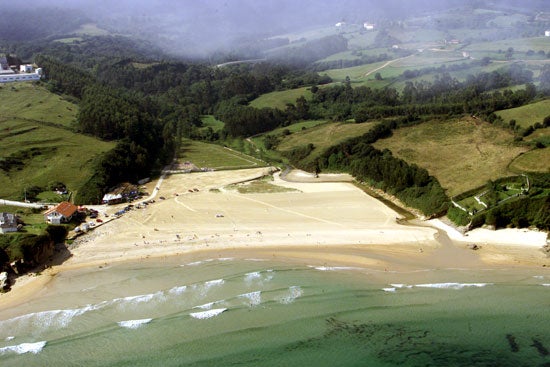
(386, 64)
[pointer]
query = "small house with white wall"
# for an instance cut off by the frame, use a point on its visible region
(61, 213)
(547, 33)
(368, 26)
(8, 222)
(28, 68)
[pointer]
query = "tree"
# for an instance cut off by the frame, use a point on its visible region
(377, 76)
(509, 53)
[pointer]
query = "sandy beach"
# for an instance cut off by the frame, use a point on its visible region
(327, 220)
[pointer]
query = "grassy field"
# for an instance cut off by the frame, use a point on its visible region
(461, 154)
(519, 45)
(279, 99)
(527, 115)
(536, 160)
(41, 154)
(33, 102)
(323, 136)
(355, 73)
(210, 121)
(214, 156)
(36, 145)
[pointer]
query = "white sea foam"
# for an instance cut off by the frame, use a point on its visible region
(206, 306)
(178, 290)
(54, 319)
(195, 263)
(333, 268)
(211, 283)
(133, 324)
(399, 285)
(452, 285)
(294, 292)
(207, 314)
(248, 277)
(135, 300)
(254, 298)
(23, 348)
(389, 289)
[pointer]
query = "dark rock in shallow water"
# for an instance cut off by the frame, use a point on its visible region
(512, 342)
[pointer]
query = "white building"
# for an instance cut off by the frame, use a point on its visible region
(8, 77)
(28, 68)
(368, 26)
(62, 213)
(547, 33)
(8, 223)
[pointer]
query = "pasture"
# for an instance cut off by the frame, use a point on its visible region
(323, 136)
(536, 160)
(461, 154)
(527, 115)
(31, 101)
(210, 121)
(216, 157)
(37, 145)
(279, 99)
(35, 154)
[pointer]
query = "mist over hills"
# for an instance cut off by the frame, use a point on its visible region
(199, 28)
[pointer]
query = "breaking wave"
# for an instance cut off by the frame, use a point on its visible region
(253, 298)
(207, 314)
(452, 285)
(294, 292)
(133, 324)
(23, 348)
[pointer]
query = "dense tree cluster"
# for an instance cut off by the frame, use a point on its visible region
(247, 121)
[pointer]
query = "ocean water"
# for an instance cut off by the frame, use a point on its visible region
(253, 312)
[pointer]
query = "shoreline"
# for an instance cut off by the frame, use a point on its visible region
(325, 224)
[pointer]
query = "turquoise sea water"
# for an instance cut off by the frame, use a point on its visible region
(251, 312)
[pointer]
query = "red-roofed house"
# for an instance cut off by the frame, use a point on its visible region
(61, 213)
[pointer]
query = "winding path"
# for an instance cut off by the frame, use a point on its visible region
(386, 64)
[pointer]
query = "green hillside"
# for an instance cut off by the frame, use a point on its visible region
(461, 154)
(322, 136)
(280, 99)
(36, 145)
(527, 115)
(33, 102)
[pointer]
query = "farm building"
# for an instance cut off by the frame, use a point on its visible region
(61, 213)
(8, 222)
(547, 33)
